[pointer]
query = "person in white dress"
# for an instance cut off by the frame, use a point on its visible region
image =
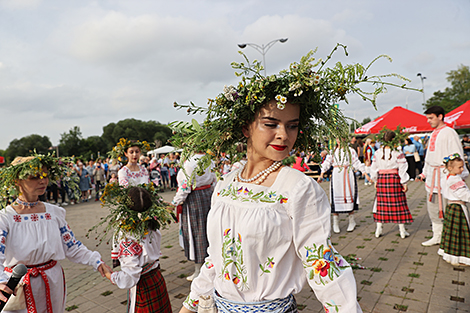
(454, 247)
(37, 235)
(444, 141)
(344, 196)
(194, 196)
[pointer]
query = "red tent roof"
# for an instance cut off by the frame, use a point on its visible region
(413, 122)
(459, 117)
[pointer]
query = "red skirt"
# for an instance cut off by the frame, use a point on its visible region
(151, 294)
(391, 201)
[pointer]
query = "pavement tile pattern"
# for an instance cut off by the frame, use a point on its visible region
(400, 275)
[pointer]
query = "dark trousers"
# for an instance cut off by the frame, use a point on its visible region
(173, 183)
(97, 189)
(411, 166)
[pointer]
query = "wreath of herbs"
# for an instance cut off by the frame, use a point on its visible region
(125, 221)
(397, 141)
(309, 83)
(32, 166)
(124, 144)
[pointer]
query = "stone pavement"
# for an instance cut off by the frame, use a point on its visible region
(400, 275)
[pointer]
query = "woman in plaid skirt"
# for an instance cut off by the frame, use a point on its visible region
(388, 170)
(455, 241)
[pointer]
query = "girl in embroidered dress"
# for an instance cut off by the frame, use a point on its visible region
(455, 242)
(36, 234)
(344, 197)
(134, 174)
(140, 268)
(389, 170)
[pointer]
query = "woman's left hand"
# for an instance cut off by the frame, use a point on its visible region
(405, 188)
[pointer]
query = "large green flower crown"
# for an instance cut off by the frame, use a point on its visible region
(124, 144)
(400, 136)
(31, 166)
(310, 83)
(122, 219)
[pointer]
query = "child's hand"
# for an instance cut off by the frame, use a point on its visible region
(105, 270)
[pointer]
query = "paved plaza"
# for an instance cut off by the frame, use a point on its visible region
(400, 275)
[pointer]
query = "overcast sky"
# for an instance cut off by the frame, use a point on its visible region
(89, 63)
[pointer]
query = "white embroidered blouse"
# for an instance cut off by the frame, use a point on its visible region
(265, 242)
(37, 238)
(456, 189)
(127, 177)
(392, 160)
(133, 256)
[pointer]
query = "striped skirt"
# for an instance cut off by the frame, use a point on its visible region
(391, 201)
(196, 206)
(151, 294)
(455, 240)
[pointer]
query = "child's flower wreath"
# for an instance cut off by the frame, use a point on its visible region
(125, 221)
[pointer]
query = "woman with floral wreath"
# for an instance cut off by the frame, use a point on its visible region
(134, 174)
(389, 171)
(36, 234)
(269, 225)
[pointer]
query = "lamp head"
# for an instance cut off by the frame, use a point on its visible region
(282, 40)
(242, 45)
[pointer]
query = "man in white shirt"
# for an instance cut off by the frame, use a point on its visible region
(444, 141)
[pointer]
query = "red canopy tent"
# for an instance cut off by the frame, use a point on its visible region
(413, 122)
(459, 117)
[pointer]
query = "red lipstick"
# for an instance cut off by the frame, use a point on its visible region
(279, 148)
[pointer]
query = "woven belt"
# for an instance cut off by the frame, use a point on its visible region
(202, 187)
(390, 171)
(148, 267)
(439, 195)
(36, 270)
(456, 202)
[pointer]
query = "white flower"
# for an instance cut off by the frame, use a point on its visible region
(298, 93)
(317, 89)
(228, 92)
(316, 81)
(278, 98)
(295, 86)
(281, 106)
(283, 100)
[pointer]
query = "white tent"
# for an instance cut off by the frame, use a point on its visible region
(164, 150)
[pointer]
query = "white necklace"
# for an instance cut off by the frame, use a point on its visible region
(261, 176)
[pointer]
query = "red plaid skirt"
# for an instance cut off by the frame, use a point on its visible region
(391, 201)
(151, 294)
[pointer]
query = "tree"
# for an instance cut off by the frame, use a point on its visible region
(454, 96)
(365, 121)
(135, 130)
(93, 146)
(26, 145)
(71, 143)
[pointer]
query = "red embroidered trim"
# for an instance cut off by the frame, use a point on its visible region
(432, 143)
(458, 185)
(129, 248)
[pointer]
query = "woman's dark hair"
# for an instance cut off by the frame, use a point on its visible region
(142, 201)
(408, 141)
(436, 110)
(141, 198)
(297, 154)
(388, 137)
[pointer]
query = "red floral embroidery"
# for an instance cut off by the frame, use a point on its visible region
(432, 142)
(34, 217)
(458, 185)
(66, 237)
(48, 216)
(2, 240)
(129, 248)
(17, 218)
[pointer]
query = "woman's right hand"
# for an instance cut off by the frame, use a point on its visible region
(3, 287)
(185, 310)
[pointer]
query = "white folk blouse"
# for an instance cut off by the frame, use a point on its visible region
(393, 160)
(266, 242)
(456, 189)
(127, 177)
(37, 238)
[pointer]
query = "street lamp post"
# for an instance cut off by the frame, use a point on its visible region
(422, 84)
(263, 49)
(56, 150)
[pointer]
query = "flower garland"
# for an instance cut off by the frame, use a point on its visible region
(124, 144)
(309, 83)
(396, 142)
(36, 165)
(122, 219)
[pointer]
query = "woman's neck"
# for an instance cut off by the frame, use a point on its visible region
(134, 167)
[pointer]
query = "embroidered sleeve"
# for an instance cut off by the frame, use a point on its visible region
(461, 191)
(76, 251)
(122, 177)
(325, 166)
(184, 188)
(328, 274)
(402, 168)
(3, 237)
(129, 257)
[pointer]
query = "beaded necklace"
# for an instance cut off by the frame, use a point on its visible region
(26, 204)
(261, 176)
